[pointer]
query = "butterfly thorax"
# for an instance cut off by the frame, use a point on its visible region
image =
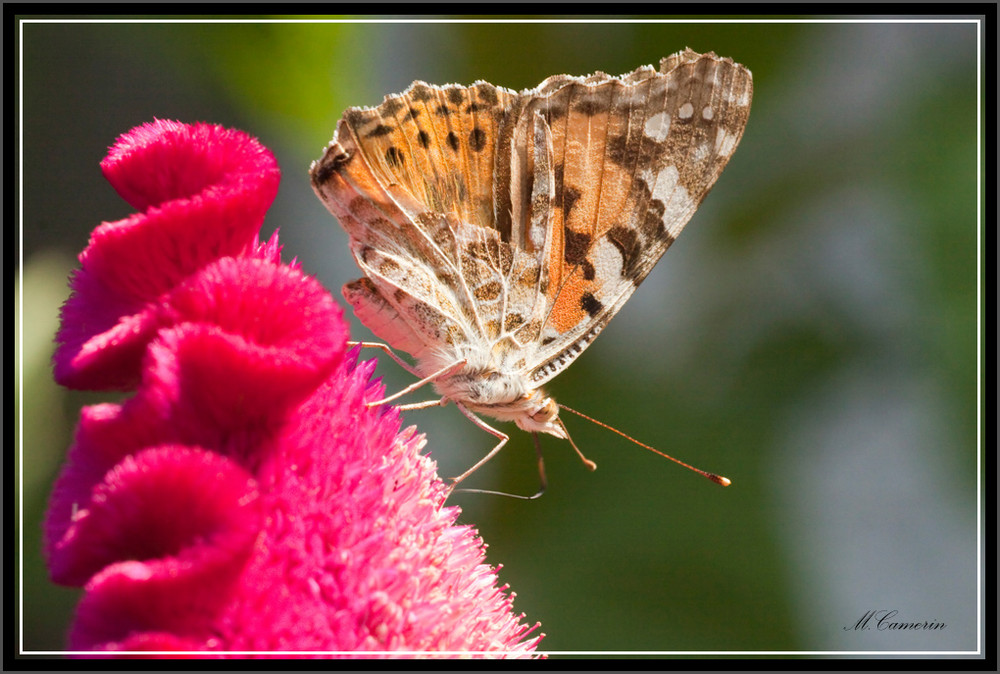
(485, 386)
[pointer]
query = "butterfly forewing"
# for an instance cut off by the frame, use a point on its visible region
(633, 159)
(437, 143)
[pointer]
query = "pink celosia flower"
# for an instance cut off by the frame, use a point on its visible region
(245, 498)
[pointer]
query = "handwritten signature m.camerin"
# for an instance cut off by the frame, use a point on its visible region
(885, 619)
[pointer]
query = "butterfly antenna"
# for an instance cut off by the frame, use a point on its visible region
(543, 481)
(717, 479)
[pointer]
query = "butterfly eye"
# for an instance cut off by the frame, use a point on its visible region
(547, 412)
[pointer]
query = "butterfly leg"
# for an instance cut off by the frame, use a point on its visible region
(412, 387)
(543, 481)
(422, 405)
(417, 384)
(389, 352)
(503, 437)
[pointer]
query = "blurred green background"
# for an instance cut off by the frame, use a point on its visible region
(812, 335)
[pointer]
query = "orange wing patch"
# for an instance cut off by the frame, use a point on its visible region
(439, 144)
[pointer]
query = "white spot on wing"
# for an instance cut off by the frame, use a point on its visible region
(661, 185)
(686, 111)
(678, 204)
(607, 260)
(658, 126)
(725, 142)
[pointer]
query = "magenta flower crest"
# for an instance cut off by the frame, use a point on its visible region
(244, 498)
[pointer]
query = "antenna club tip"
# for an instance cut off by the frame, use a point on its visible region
(719, 480)
(590, 464)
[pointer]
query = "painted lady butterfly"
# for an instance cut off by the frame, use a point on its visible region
(499, 232)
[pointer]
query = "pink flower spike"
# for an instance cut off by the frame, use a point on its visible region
(246, 499)
(204, 190)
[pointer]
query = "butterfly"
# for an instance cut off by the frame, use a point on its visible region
(499, 232)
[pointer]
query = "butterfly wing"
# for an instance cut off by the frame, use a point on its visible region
(630, 158)
(479, 214)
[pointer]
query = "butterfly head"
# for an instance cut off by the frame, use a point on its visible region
(545, 415)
